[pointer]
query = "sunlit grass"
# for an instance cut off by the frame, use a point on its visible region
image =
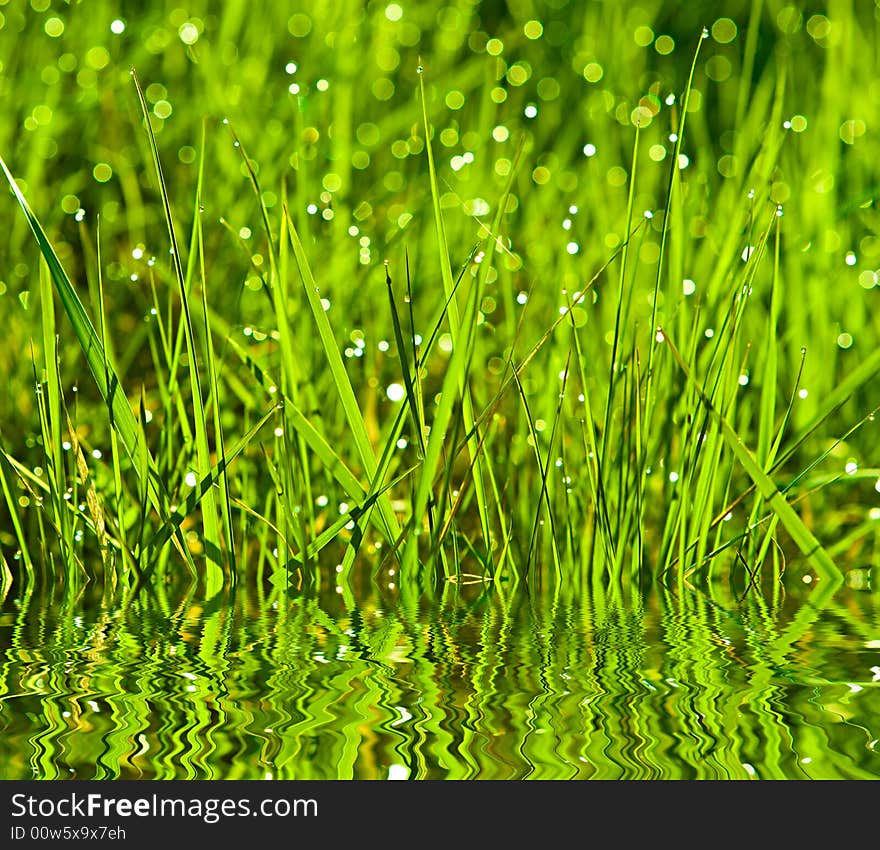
(617, 269)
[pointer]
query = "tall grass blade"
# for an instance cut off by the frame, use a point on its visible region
(214, 571)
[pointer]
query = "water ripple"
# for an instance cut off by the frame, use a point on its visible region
(471, 683)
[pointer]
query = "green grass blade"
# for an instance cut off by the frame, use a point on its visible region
(455, 326)
(214, 571)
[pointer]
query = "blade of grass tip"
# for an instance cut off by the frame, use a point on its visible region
(454, 316)
(214, 572)
(340, 377)
(403, 356)
(806, 541)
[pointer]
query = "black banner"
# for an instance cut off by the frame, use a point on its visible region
(140, 814)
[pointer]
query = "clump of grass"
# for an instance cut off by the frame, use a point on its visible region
(567, 413)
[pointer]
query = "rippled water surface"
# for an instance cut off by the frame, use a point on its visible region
(475, 683)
